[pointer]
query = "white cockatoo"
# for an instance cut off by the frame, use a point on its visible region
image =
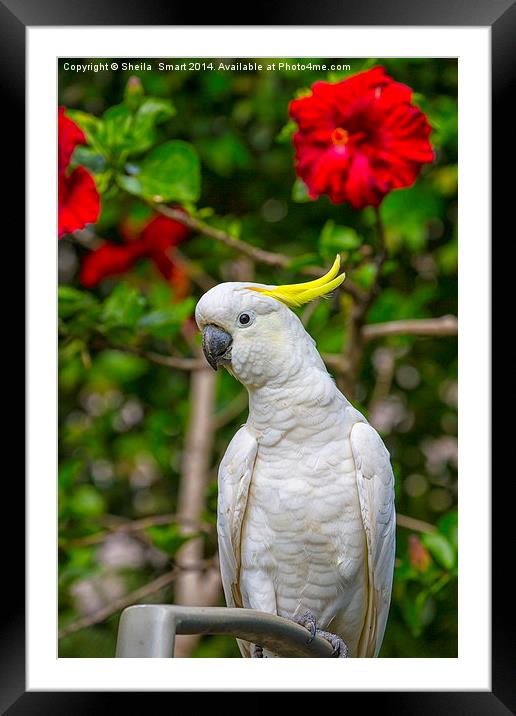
(306, 520)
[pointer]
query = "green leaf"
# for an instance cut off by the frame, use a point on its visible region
(123, 308)
(116, 128)
(406, 213)
(300, 192)
(112, 366)
(335, 238)
(167, 538)
(91, 126)
(130, 184)
(160, 295)
(86, 501)
(366, 65)
(285, 134)
(171, 172)
(166, 322)
(419, 612)
(305, 260)
(204, 212)
(448, 526)
(70, 349)
(225, 154)
(125, 129)
(71, 373)
(151, 112)
(69, 471)
(339, 75)
(448, 257)
(70, 300)
(440, 548)
(89, 158)
(395, 305)
(364, 275)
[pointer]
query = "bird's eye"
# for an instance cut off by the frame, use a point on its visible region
(246, 318)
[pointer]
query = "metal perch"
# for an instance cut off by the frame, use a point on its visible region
(149, 630)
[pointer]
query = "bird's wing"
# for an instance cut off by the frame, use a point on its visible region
(375, 482)
(235, 474)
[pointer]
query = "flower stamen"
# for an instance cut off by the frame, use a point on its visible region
(339, 136)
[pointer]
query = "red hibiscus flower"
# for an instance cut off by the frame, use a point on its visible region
(154, 242)
(78, 199)
(360, 138)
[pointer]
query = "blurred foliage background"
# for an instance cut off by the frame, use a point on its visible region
(126, 418)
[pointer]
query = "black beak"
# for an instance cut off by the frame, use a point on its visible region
(216, 345)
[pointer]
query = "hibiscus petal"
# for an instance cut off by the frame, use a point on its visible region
(78, 200)
(110, 259)
(311, 114)
(363, 188)
(158, 236)
(327, 174)
(161, 233)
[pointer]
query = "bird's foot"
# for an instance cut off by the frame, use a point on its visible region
(256, 652)
(309, 621)
(340, 649)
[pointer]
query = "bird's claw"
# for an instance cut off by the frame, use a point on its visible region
(308, 621)
(257, 652)
(340, 650)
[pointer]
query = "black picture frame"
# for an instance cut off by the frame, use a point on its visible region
(500, 16)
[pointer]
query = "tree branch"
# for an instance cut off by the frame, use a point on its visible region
(384, 366)
(194, 589)
(231, 411)
(253, 252)
(132, 598)
(192, 269)
(443, 326)
(411, 523)
(336, 361)
(134, 526)
(160, 359)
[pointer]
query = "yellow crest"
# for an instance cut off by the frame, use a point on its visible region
(297, 294)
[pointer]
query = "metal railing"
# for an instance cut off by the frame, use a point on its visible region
(149, 630)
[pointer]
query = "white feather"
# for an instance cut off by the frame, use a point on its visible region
(375, 481)
(235, 474)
